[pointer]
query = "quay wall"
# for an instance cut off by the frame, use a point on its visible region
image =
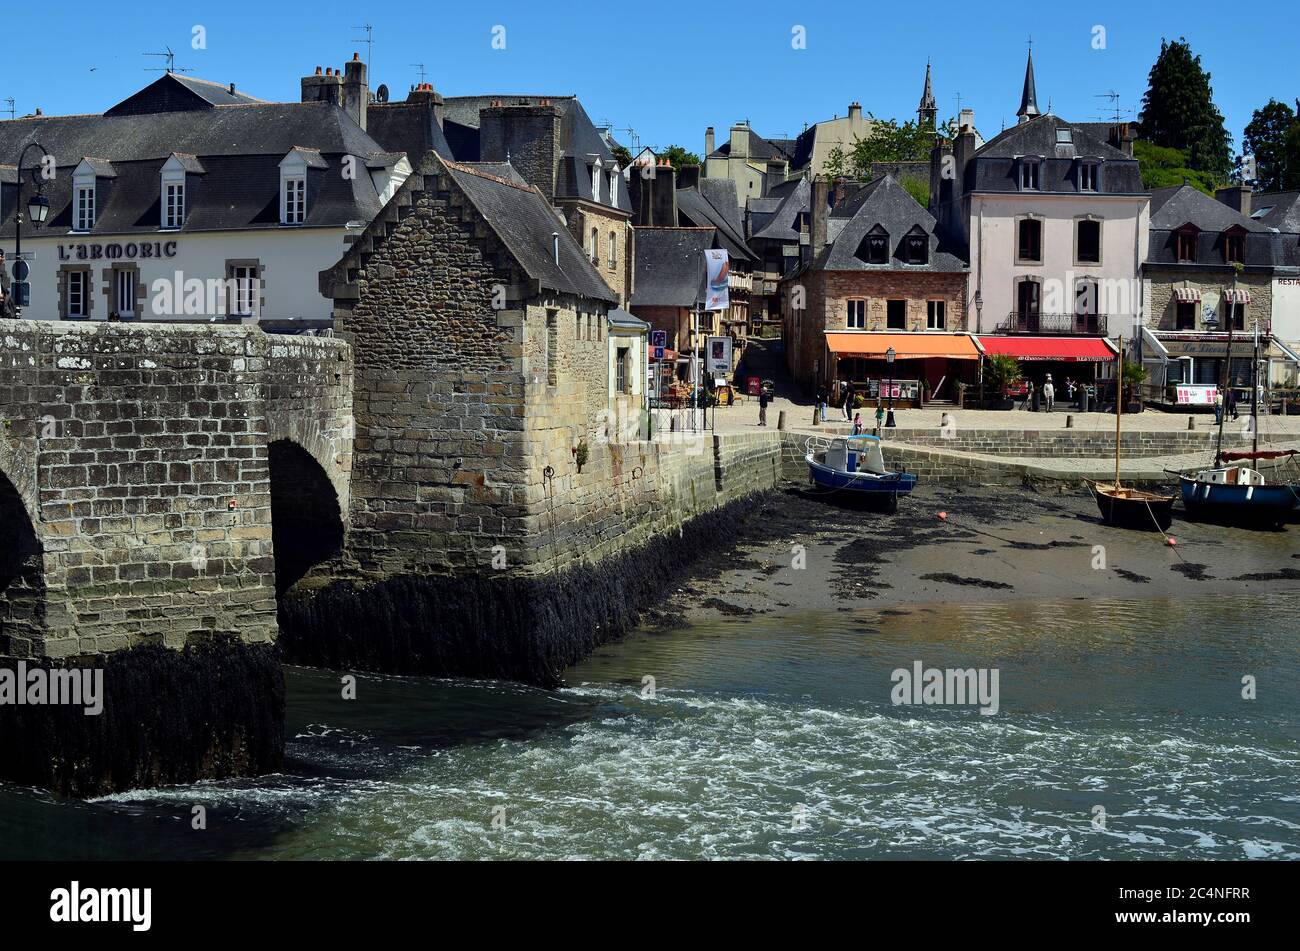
(1072, 443)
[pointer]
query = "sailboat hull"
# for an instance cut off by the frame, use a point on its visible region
(1141, 511)
(1267, 506)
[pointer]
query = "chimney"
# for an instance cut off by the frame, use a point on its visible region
(322, 87)
(740, 141)
(529, 135)
(663, 196)
(966, 120)
(841, 191)
(941, 188)
(855, 112)
(689, 177)
(708, 142)
(820, 210)
(1236, 197)
(1121, 137)
(232, 89)
(356, 93)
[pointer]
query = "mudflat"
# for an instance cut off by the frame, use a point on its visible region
(807, 551)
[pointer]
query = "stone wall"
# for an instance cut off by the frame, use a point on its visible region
(1213, 284)
(1073, 444)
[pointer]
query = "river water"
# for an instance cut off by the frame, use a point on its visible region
(1122, 733)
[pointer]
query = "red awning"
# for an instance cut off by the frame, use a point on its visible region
(1063, 349)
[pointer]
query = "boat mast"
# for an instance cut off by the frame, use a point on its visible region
(1254, 391)
(1119, 402)
(1227, 371)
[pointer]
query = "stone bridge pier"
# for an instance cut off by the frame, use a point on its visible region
(159, 484)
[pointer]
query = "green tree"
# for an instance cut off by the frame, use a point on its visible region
(1178, 111)
(1267, 138)
(1163, 168)
(678, 156)
(919, 189)
(622, 156)
(1001, 369)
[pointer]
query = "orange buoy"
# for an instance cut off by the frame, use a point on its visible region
(1172, 542)
(943, 516)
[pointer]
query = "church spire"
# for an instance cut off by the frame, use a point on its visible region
(928, 112)
(1029, 98)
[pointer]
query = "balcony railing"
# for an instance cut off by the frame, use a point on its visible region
(740, 282)
(1054, 324)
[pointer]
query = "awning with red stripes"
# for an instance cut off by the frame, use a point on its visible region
(1188, 295)
(1240, 296)
(1063, 349)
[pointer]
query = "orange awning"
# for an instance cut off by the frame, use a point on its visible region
(907, 346)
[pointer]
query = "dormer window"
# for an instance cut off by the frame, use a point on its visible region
(1234, 248)
(613, 187)
(174, 204)
(1029, 167)
(1186, 240)
(1089, 176)
(916, 249)
(84, 217)
(173, 180)
(875, 247)
(595, 179)
(294, 171)
(1064, 137)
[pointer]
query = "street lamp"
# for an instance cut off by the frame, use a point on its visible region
(890, 355)
(38, 209)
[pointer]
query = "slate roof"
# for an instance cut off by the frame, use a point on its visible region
(1171, 208)
(1280, 210)
(618, 317)
(885, 204)
(670, 266)
(238, 147)
(996, 167)
(759, 148)
(784, 224)
(525, 222)
(175, 92)
(697, 210)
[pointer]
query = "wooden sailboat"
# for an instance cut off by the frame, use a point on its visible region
(1232, 494)
(1124, 507)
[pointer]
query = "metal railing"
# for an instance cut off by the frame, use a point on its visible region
(1054, 324)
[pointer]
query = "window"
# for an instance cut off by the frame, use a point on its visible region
(1086, 306)
(620, 369)
(875, 248)
(1234, 314)
(595, 180)
(917, 248)
(1187, 246)
(76, 294)
(1185, 315)
(613, 187)
(1234, 248)
(1030, 245)
(613, 245)
(124, 292)
(936, 315)
(1029, 174)
(174, 205)
(243, 290)
(295, 201)
(85, 216)
(1064, 137)
(595, 246)
(1088, 242)
(551, 347)
(896, 314)
(1089, 176)
(857, 315)
(1027, 300)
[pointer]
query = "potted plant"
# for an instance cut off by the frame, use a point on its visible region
(1135, 375)
(1000, 371)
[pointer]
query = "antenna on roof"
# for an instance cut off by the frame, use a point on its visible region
(9, 107)
(420, 67)
(170, 56)
(1113, 96)
(370, 43)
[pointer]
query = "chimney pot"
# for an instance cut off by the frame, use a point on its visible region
(317, 70)
(356, 57)
(232, 89)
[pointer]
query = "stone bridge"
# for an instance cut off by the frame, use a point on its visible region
(140, 467)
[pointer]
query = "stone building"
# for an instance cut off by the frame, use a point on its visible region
(878, 278)
(1210, 267)
(754, 163)
(193, 201)
(549, 141)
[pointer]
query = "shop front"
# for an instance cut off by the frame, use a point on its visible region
(1066, 359)
(925, 365)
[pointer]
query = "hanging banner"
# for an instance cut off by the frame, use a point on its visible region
(719, 355)
(717, 295)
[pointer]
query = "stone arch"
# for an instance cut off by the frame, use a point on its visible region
(22, 574)
(329, 444)
(307, 526)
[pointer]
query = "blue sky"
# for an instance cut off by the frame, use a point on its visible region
(667, 70)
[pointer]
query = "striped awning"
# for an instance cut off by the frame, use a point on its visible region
(1187, 295)
(1239, 296)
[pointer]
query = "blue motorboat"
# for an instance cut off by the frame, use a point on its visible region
(856, 464)
(1238, 495)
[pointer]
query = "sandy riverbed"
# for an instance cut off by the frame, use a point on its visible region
(996, 544)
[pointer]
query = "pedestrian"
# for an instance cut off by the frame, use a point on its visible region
(880, 415)
(1029, 395)
(1232, 400)
(1218, 407)
(764, 397)
(1070, 387)
(848, 403)
(821, 404)
(1049, 393)
(857, 424)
